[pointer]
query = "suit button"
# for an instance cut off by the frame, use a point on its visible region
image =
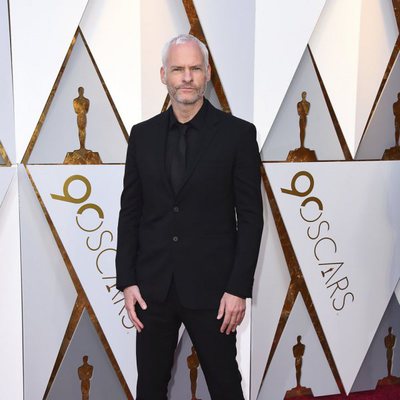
(176, 209)
(175, 238)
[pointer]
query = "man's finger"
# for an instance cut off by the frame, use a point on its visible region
(136, 321)
(231, 327)
(140, 300)
(221, 309)
(226, 321)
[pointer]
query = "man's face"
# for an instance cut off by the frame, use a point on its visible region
(185, 74)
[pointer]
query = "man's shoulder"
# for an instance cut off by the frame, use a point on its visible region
(149, 123)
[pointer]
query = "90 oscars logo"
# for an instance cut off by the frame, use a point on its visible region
(323, 245)
(97, 241)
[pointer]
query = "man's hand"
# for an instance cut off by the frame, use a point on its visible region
(234, 308)
(132, 296)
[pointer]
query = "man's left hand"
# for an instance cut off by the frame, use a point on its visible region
(233, 309)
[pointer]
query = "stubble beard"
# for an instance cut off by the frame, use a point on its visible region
(197, 95)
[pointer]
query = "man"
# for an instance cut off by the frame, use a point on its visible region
(189, 228)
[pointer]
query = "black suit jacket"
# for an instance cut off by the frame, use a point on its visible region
(207, 236)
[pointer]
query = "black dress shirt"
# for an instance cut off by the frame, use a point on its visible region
(193, 136)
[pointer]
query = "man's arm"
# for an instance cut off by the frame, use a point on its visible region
(128, 235)
(249, 211)
(129, 219)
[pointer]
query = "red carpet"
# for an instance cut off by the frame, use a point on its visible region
(385, 393)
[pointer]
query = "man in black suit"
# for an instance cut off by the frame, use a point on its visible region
(189, 228)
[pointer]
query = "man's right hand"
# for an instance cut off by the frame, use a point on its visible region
(132, 296)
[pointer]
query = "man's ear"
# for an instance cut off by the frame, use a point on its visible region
(162, 75)
(208, 72)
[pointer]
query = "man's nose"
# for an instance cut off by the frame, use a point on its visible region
(187, 75)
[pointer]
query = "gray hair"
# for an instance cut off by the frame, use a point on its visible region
(180, 39)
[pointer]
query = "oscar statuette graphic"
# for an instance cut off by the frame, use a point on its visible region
(298, 390)
(302, 154)
(390, 342)
(393, 153)
(85, 372)
(193, 365)
(82, 155)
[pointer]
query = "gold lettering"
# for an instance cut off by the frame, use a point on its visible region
(294, 191)
(67, 196)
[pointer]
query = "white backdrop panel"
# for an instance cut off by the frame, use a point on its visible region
(116, 48)
(48, 292)
(41, 32)
(271, 283)
(282, 31)
(346, 246)
(88, 235)
(6, 176)
(160, 21)
(6, 84)
(378, 34)
(11, 358)
(380, 133)
(237, 62)
(315, 372)
(59, 133)
(335, 46)
(321, 135)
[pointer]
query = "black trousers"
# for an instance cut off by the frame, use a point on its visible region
(156, 344)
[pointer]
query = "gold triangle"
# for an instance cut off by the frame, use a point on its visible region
(4, 156)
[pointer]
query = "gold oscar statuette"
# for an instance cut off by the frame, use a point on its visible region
(302, 154)
(82, 155)
(298, 390)
(193, 365)
(390, 342)
(85, 372)
(393, 153)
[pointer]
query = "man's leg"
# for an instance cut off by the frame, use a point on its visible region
(216, 352)
(155, 347)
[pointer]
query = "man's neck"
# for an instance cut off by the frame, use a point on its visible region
(185, 112)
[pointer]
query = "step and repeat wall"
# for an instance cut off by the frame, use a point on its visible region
(319, 78)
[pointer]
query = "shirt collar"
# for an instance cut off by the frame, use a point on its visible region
(196, 122)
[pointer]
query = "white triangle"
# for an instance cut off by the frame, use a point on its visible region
(59, 131)
(336, 53)
(276, 60)
(378, 35)
(315, 372)
(6, 175)
(116, 47)
(374, 366)
(321, 135)
(238, 61)
(102, 185)
(41, 33)
(361, 235)
(380, 133)
(47, 291)
(11, 350)
(271, 283)
(104, 383)
(6, 99)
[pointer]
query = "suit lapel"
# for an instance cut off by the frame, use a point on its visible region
(207, 134)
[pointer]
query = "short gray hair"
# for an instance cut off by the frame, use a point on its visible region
(180, 39)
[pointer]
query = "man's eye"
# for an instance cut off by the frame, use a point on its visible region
(176, 69)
